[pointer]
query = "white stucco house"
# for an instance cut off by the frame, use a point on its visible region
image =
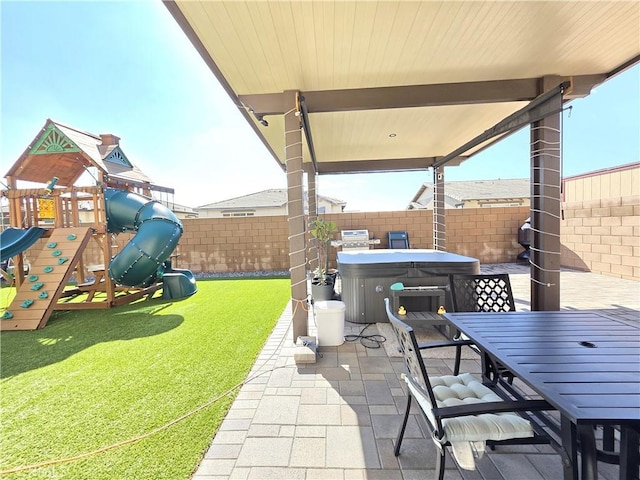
(264, 203)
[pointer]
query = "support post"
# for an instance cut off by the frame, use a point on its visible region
(14, 203)
(439, 227)
(546, 182)
(107, 253)
(59, 210)
(295, 203)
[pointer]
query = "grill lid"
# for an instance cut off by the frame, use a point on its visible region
(352, 236)
(355, 240)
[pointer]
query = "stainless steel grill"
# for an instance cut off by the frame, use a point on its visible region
(351, 240)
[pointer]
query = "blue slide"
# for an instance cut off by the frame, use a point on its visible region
(144, 260)
(14, 241)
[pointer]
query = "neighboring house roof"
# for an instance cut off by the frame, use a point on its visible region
(174, 207)
(272, 198)
(465, 191)
(178, 208)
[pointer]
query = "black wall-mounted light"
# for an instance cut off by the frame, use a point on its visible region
(260, 118)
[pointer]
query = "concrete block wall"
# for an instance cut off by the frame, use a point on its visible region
(603, 236)
(224, 245)
(489, 234)
(260, 243)
(601, 227)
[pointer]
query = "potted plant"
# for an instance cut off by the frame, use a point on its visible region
(322, 233)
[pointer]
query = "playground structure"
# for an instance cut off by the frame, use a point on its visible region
(76, 229)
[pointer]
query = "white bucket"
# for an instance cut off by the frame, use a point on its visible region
(330, 322)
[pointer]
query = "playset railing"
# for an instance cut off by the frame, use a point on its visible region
(57, 208)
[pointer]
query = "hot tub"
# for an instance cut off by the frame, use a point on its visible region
(367, 275)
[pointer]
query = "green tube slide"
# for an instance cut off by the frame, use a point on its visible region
(141, 261)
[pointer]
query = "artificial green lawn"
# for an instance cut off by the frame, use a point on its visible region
(94, 378)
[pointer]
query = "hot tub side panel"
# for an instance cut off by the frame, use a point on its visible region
(362, 287)
(365, 285)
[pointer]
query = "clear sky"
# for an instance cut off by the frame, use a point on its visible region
(126, 68)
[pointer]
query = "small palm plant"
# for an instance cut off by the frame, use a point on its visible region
(322, 232)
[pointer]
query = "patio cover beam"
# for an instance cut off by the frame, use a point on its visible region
(307, 132)
(464, 93)
(536, 110)
(382, 165)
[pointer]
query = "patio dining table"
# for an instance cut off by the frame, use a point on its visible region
(585, 364)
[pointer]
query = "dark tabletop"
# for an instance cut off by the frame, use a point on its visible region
(585, 364)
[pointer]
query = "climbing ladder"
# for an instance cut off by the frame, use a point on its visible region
(38, 295)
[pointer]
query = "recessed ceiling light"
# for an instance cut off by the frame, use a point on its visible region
(391, 135)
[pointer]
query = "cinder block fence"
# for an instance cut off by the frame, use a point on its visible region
(601, 236)
(602, 239)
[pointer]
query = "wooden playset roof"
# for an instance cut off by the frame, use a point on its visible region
(64, 152)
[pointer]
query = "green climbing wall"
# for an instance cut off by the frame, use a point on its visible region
(49, 274)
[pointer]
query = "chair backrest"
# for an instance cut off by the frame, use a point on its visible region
(408, 346)
(398, 239)
(481, 293)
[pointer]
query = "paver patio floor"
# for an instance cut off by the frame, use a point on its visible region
(338, 418)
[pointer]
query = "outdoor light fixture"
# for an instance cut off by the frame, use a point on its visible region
(261, 119)
(392, 135)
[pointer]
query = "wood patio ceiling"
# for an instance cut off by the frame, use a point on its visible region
(395, 85)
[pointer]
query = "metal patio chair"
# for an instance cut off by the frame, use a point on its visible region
(482, 293)
(398, 240)
(462, 412)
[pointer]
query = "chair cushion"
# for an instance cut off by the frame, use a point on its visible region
(465, 389)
